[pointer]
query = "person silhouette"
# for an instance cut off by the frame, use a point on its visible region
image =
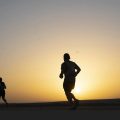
(69, 70)
(2, 90)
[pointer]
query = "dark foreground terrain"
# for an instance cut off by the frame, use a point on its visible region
(108, 104)
(87, 109)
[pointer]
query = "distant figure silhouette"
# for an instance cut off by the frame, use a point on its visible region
(70, 70)
(2, 90)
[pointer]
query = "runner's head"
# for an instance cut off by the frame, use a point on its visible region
(0, 79)
(66, 57)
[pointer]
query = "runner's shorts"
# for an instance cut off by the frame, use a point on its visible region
(2, 93)
(68, 86)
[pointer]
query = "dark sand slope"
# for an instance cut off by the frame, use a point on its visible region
(107, 104)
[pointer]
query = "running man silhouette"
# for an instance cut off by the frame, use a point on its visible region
(2, 90)
(70, 70)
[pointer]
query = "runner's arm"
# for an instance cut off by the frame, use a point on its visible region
(4, 85)
(77, 69)
(61, 74)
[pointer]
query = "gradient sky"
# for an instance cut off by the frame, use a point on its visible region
(34, 35)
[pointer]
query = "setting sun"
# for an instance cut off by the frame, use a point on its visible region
(76, 90)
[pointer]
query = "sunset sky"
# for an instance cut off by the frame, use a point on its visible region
(34, 35)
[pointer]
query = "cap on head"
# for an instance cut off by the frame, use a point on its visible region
(66, 56)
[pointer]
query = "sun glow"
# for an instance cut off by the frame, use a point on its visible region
(76, 90)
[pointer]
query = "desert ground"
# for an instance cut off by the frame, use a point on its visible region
(92, 109)
(107, 104)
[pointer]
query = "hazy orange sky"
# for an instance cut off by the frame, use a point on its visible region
(34, 35)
